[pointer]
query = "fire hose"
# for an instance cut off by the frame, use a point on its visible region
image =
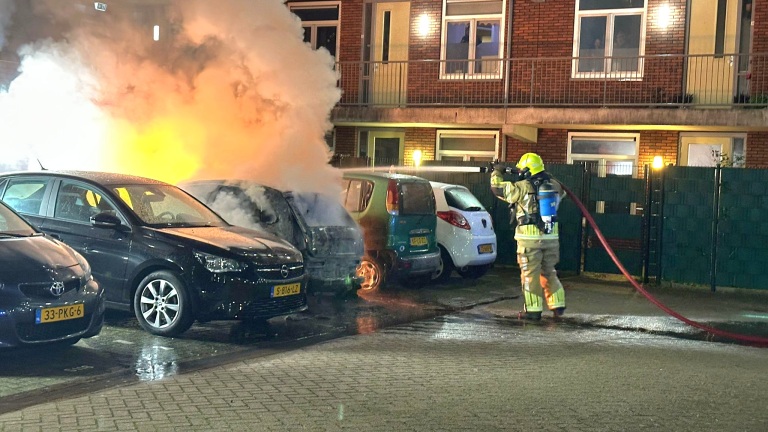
(712, 330)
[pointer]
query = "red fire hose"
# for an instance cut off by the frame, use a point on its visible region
(714, 331)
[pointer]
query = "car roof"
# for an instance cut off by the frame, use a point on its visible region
(440, 185)
(98, 177)
(373, 175)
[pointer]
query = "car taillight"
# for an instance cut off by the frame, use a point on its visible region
(454, 218)
(393, 198)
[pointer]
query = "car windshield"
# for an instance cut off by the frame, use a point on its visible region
(418, 198)
(462, 199)
(322, 210)
(11, 225)
(166, 206)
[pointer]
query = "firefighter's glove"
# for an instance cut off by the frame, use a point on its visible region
(497, 179)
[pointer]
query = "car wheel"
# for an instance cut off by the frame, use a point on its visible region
(163, 305)
(445, 268)
(372, 272)
(473, 272)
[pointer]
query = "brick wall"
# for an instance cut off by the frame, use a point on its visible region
(346, 140)
(552, 146)
(759, 45)
(419, 139)
(350, 48)
(757, 150)
(657, 143)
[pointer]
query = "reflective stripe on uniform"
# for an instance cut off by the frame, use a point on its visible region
(532, 232)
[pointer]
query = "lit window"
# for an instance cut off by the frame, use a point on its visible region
(472, 36)
(467, 145)
(608, 39)
(320, 21)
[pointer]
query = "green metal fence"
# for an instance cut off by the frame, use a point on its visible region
(697, 225)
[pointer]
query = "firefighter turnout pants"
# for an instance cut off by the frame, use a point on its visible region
(537, 260)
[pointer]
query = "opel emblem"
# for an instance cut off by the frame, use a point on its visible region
(57, 288)
(284, 271)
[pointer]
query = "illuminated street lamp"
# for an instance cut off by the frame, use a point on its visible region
(658, 162)
(416, 157)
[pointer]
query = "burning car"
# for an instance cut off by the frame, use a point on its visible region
(160, 252)
(317, 224)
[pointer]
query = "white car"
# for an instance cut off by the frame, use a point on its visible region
(464, 233)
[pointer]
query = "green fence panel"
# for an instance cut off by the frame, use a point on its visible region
(742, 231)
(569, 216)
(622, 230)
(686, 245)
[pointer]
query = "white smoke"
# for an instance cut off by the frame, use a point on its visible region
(229, 91)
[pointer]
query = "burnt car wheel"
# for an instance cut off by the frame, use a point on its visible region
(445, 269)
(163, 305)
(372, 272)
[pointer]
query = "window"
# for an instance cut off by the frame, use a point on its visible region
(607, 155)
(472, 36)
(712, 149)
(320, 22)
(26, 196)
(77, 203)
(357, 195)
(609, 38)
(467, 145)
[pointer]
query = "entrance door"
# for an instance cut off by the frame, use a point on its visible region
(712, 77)
(384, 148)
(390, 53)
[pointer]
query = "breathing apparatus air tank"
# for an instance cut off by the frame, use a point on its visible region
(548, 202)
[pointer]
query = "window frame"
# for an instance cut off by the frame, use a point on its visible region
(313, 25)
(462, 133)
(473, 19)
(610, 14)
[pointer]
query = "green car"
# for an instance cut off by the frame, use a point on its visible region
(396, 213)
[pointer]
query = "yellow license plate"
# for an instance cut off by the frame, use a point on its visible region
(485, 248)
(418, 241)
(60, 313)
(286, 290)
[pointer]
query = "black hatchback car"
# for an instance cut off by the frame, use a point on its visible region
(47, 293)
(160, 252)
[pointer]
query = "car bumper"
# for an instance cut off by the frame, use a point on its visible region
(18, 326)
(228, 297)
(469, 253)
(417, 265)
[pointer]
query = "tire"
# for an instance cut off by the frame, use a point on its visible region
(473, 272)
(163, 304)
(371, 270)
(446, 267)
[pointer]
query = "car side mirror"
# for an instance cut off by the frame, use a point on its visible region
(106, 220)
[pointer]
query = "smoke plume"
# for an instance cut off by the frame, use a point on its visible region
(229, 90)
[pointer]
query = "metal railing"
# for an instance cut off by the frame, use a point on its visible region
(669, 80)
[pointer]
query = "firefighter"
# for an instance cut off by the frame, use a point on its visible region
(538, 245)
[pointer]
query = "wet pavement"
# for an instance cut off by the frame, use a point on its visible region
(124, 354)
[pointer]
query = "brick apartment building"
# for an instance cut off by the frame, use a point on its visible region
(617, 82)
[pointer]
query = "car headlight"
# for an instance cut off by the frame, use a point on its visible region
(217, 264)
(83, 265)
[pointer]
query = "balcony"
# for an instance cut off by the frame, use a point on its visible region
(652, 81)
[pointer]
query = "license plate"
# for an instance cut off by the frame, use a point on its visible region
(485, 248)
(286, 290)
(418, 241)
(60, 313)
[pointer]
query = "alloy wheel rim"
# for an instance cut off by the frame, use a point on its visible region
(159, 303)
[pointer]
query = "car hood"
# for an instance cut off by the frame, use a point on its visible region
(240, 241)
(34, 259)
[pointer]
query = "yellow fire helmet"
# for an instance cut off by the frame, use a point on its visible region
(532, 162)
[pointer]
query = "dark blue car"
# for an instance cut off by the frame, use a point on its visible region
(47, 293)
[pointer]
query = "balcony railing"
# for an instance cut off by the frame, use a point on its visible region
(701, 81)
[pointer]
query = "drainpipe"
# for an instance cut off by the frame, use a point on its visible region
(508, 54)
(685, 47)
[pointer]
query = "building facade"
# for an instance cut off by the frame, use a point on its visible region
(616, 83)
